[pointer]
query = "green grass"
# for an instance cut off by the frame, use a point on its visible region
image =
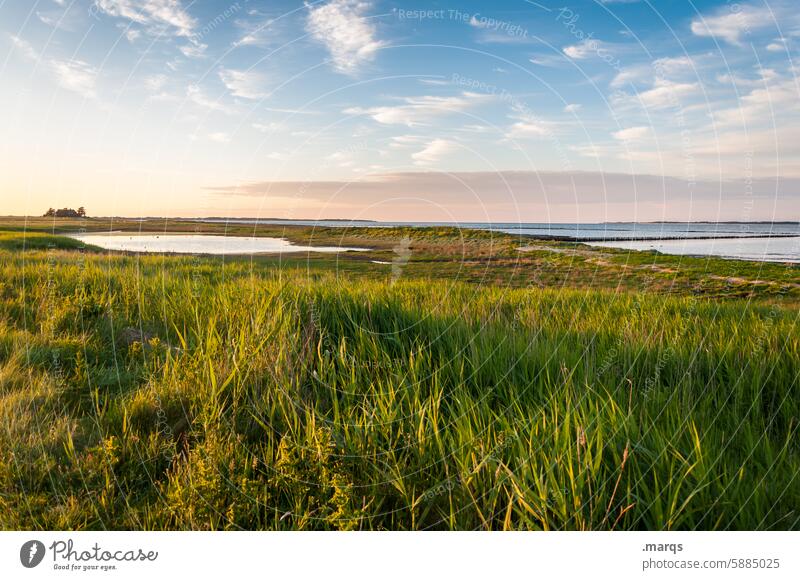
(486, 389)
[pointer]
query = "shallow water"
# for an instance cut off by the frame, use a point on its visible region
(202, 244)
(760, 249)
(583, 231)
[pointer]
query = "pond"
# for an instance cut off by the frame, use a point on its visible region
(201, 244)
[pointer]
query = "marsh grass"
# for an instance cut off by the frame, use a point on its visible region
(176, 392)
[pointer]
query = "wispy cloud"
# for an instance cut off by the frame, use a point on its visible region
(156, 82)
(132, 35)
(162, 18)
(270, 127)
(62, 19)
(348, 35)
(776, 100)
(548, 60)
(667, 93)
(661, 94)
(346, 158)
(196, 95)
(434, 151)
(260, 33)
(414, 111)
(667, 68)
(24, 47)
(76, 76)
(244, 84)
(594, 48)
(406, 141)
(631, 134)
(219, 137)
(731, 25)
(193, 50)
(71, 74)
(777, 45)
(584, 49)
(529, 125)
(157, 15)
(561, 195)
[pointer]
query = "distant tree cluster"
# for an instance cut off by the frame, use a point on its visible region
(66, 212)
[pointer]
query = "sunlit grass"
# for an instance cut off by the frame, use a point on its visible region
(192, 393)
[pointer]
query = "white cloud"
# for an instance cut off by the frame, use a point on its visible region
(405, 141)
(267, 127)
(161, 18)
(342, 27)
(592, 151)
(673, 65)
(250, 39)
(668, 68)
(475, 23)
(667, 94)
(631, 134)
(52, 19)
(434, 82)
(765, 76)
(260, 34)
(157, 15)
(155, 83)
(546, 60)
(345, 158)
(476, 128)
(777, 45)
(772, 104)
(73, 75)
(76, 76)
(420, 110)
(592, 48)
(572, 108)
(193, 50)
(529, 128)
(196, 95)
(219, 137)
(529, 125)
(244, 84)
(581, 51)
(730, 25)
(434, 151)
(24, 47)
(631, 75)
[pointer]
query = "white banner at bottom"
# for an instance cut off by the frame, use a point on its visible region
(353, 555)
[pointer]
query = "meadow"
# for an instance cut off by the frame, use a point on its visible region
(490, 383)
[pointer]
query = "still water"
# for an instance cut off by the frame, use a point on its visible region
(571, 231)
(760, 249)
(762, 241)
(201, 244)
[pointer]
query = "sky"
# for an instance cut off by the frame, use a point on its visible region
(505, 111)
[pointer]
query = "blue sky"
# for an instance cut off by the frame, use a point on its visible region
(501, 111)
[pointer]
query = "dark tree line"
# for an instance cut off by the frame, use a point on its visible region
(66, 212)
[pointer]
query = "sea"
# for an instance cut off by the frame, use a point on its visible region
(760, 241)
